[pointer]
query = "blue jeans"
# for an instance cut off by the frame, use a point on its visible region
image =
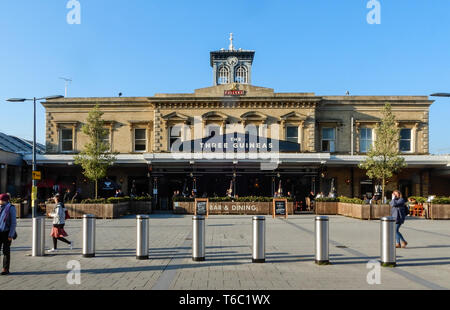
(398, 234)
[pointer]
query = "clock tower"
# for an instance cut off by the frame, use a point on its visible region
(232, 66)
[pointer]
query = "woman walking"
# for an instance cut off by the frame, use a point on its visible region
(7, 230)
(399, 212)
(58, 232)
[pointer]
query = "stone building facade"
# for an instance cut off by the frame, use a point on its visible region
(320, 139)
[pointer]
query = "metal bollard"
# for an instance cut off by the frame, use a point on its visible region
(322, 240)
(198, 238)
(88, 235)
(259, 239)
(38, 248)
(142, 247)
(388, 254)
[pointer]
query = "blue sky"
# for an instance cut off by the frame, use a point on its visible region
(143, 47)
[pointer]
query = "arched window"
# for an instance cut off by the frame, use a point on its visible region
(241, 75)
(224, 75)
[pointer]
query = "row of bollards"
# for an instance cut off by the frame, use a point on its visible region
(388, 252)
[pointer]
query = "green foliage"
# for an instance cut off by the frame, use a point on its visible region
(93, 201)
(117, 199)
(143, 198)
(341, 199)
(114, 200)
(229, 199)
(356, 201)
(326, 199)
(384, 159)
(16, 200)
(441, 201)
(418, 199)
(95, 158)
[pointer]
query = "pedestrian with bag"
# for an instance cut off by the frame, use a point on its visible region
(399, 211)
(59, 217)
(7, 230)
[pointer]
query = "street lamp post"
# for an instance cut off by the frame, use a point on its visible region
(34, 180)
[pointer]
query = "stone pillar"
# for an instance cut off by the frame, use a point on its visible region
(300, 135)
(157, 131)
(283, 130)
(415, 135)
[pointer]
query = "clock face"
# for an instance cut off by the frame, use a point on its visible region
(232, 61)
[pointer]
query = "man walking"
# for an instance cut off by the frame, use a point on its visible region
(7, 230)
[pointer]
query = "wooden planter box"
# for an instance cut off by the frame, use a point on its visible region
(379, 211)
(326, 208)
(438, 212)
(105, 211)
(228, 207)
(183, 207)
(21, 210)
(363, 212)
(140, 207)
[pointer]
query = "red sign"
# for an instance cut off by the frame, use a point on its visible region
(234, 93)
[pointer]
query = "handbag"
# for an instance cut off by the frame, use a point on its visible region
(15, 236)
(67, 216)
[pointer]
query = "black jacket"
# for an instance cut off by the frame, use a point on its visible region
(398, 210)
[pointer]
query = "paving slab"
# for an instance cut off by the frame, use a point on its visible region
(424, 264)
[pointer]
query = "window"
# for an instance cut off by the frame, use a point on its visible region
(292, 134)
(405, 140)
(174, 135)
(365, 140)
(224, 75)
(241, 75)
(328, 140)
(212, 130)
(66, 140)
(140, 140)
(107, 139)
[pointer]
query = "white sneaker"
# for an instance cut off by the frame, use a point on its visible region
(52, 250)
(71, 245)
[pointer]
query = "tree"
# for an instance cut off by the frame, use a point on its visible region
(383, 160)
(96, 157)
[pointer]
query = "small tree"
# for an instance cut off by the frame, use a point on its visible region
(96, 156)
(383, 160)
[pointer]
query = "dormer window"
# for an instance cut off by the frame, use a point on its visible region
(224, 75)
(241, 75)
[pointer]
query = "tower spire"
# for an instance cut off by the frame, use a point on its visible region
(231, 47)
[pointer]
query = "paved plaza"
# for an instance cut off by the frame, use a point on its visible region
(425, 264)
